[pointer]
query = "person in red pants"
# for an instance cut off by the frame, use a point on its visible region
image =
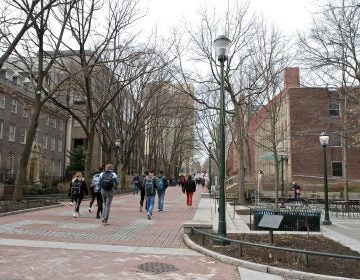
(190, 188)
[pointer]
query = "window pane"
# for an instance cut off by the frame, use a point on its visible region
(337, 169)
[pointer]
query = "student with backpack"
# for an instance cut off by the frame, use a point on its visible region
(150, 191)
(78, 189)
(190, 188)
(108, 183)
(161, 185)
(94, 182)
(142, 191)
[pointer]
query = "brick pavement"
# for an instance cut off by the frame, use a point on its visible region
(52, 244)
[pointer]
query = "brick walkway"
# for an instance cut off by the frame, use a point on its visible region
(52, 244)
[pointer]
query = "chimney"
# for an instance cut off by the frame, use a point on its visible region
(291, 77)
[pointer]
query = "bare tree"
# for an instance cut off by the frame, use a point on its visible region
(106, 72)
(331, 49)
(16, 19)
(38, 64)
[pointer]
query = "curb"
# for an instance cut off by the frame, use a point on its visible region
(260, 267)
(30, 210)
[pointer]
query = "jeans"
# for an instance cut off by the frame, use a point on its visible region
(150, 201)
(107, 197)
(136, 188)
(161, 196)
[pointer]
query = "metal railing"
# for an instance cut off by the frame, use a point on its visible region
(306, 253)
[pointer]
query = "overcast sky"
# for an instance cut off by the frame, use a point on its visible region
(290, 15)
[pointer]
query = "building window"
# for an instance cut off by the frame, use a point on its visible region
(45, 144)
(53, 122)
(335, 139)
(23, 136)
(13, 108)
(2, 101)
(60, 143)
(25, 112)
(1, 129)
(334, 108)
(52, 144)
(12, 131)
(337, 168)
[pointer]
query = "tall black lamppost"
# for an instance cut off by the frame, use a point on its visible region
(117, 145)
(210, 156)
(222, 45)
(282, 155)
(324, 141)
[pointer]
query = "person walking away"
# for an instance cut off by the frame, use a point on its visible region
(142, 191)
(78, 189)
(161, 187)
(136, 183)
(99, 200)
(94, 182)
(296, 188)
(150, 191)
(182, 181)
(108, 184)
(190, 188)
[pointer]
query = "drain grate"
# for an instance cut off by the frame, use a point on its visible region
(157, 268)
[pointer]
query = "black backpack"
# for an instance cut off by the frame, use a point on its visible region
(75, 187)
(107, 181)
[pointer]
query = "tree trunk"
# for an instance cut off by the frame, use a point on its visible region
(25, 156)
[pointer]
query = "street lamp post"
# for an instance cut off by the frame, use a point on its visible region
(117, 145)
(282, 181)
(222, 45)
(324, 141)
(210, 156)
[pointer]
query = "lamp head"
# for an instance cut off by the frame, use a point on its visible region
(324, 139)
(222, 46)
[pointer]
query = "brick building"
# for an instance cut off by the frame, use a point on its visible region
(303, 114)
(47, 155)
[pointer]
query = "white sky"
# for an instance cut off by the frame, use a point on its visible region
(290, 15)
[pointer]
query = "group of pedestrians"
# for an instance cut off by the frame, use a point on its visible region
(104, 184)
(149, 186)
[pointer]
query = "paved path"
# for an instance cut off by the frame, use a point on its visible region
(51, 244)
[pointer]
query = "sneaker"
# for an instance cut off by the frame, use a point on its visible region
(160, 210)
(106, 224)
(77, 214)
(74, 215)
(89, 209)
(149, 217)
(70, 203)
(140, 208)
(97, 217)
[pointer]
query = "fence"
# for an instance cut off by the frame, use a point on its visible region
(293, 219)
(306, 253)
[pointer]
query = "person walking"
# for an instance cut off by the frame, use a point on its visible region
(190, 188)
(161, 185)
(108, 183)
(150, 191)
(296, 188)
(78, 189)
(182, 182)
(136, 183)
(94, 182)
(142, 191)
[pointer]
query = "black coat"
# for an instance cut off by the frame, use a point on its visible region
(190, 185)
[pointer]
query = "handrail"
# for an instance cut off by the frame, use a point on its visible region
(301, 251)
